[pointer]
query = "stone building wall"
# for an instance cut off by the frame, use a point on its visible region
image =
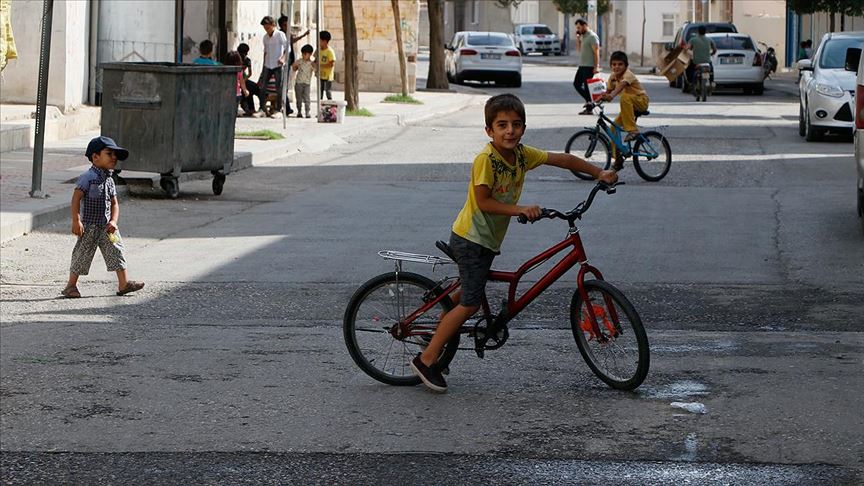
(376, 38)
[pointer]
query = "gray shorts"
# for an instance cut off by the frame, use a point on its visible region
(93, 237)
(474, 262)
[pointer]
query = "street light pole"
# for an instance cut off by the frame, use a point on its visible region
(42, 99)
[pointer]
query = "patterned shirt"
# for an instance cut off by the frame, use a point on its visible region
(305, 69)
(98, 188)
(492, 170)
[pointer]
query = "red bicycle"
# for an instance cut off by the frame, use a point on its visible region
(392, 317)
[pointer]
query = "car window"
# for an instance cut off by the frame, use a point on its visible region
(527, 30)
(542, 30)
(711, 29)
(489, 40)
(833, 53)
(737, 43)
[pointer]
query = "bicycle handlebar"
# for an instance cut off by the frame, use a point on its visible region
(578, 211)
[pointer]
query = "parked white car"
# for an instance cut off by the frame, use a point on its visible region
(859, 129)
(737, 63)
(826, 89)
(536, 38)
(484, 56)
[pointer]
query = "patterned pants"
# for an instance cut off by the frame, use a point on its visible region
(95, 236)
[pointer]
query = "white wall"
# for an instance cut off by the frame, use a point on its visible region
(654, 10)
(136, 30)
(765, 21)
(68, 70)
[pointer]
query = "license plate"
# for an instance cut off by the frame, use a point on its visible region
(731, 60)
(490, 56)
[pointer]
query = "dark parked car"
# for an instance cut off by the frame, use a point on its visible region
(690, 29)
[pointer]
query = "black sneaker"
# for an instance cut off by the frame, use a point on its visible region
(430, 375)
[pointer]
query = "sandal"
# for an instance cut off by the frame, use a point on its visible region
(131, 286)
(71, 292)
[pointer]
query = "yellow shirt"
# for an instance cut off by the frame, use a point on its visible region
(324, 57)
(633, 86)
(492, 170)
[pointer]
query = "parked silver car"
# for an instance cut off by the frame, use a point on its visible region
(859, 124)
(826, 89)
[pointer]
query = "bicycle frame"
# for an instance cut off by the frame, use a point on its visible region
(513, 304)
(614, 136)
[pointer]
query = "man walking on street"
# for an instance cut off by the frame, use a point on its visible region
(588, 45)
(275, 56)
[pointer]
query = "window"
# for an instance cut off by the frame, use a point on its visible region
(668, 25)
(489, 39)
(733, 43)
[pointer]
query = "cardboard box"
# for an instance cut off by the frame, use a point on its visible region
(675, 63)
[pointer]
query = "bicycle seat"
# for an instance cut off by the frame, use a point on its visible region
(639, 113)
(444, 247)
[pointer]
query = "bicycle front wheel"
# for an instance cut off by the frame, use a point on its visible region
(589, 145)
(372, 319)
(652, 156)
(619, 355)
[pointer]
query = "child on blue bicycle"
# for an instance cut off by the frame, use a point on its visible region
(633, 97)
(497, 176)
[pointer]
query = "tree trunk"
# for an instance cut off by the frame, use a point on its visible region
(832, 24)
(437, 77)
(352, 73)
(403, 64)
(842, 22)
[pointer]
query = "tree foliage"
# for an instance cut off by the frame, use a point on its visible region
(843, 7)
(580, 7)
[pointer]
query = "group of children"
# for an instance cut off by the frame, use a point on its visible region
(497, 177)
(278, 57)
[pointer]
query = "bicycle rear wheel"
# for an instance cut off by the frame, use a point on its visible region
(376, 308)
(652, 156)
(589, 145)
(620, 355)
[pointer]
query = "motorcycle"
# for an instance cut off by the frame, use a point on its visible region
(702, 81)
(769, 61)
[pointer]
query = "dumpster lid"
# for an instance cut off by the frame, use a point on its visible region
(168, 67)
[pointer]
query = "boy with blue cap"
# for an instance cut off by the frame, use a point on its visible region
(95, 221)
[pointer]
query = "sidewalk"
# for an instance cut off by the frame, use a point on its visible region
(64, 160)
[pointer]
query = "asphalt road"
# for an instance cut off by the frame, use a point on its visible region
(745, 263)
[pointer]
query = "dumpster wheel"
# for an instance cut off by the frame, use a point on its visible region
(218, 182)
(171, 186)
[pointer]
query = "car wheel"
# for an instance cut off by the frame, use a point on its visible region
(801, 130)
(759, 89)
(521, 49)
(517, 80)
(545, 54)
(810, 134)
(748, 91)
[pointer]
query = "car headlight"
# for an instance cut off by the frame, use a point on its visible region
(829, 90)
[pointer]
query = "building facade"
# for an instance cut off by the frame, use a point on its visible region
(88, 32)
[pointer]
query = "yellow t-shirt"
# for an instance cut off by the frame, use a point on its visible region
(492, 170)
(325, 56)
(633, 86)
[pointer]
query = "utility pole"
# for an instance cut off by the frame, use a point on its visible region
(42, 99)
(642, 52)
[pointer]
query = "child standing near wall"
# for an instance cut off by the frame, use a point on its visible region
(304, 68)
(327, 60)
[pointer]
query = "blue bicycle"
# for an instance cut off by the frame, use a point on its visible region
(652, 156)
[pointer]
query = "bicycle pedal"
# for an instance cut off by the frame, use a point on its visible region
(445, 371)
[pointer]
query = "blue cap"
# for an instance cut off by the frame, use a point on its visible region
(97, 144)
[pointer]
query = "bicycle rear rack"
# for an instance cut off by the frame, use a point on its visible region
(400, 256)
